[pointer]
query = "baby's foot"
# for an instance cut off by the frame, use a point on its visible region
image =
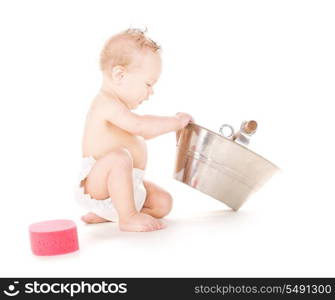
(91, 218)
(141, 222)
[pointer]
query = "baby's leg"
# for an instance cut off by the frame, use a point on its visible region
(158, 202)
(111, 176)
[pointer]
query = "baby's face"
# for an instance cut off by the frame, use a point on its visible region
(138, 81)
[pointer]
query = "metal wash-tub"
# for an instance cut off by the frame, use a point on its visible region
(219, 167)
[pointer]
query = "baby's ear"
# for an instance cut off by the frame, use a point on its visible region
(118, 73)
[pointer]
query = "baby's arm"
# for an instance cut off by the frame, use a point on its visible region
(147, 126)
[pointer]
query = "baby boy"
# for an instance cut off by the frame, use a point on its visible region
(112, 185)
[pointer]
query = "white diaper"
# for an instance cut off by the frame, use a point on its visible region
(104, 208)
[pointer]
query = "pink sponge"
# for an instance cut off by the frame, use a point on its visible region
(53, 237)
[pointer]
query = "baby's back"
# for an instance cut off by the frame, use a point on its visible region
(101, 136)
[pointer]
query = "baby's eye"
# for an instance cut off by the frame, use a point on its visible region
(148, 84)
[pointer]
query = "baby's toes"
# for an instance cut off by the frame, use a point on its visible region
(153, 225)
(148, 227)
(160, 225)
(157, 225)
(163, 225)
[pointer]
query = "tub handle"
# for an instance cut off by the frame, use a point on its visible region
(227, 131)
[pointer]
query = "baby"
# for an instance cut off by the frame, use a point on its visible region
(112, 185)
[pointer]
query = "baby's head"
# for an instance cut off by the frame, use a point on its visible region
(131, 65)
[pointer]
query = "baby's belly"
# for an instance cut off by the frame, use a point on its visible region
(99, 147)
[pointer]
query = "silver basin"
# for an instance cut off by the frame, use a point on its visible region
(219, 167)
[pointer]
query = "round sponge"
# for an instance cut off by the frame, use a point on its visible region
(53, 237)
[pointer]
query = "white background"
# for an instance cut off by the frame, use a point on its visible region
(224, 62)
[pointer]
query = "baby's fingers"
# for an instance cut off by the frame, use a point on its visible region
(178, 135)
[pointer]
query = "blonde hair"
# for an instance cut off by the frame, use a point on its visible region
(120, 48)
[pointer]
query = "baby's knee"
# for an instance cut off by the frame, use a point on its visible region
(164, 206)
(120, 157)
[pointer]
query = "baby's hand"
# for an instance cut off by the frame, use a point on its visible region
(184, 119)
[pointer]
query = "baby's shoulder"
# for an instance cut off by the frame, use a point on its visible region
(98, 103)
(105, 108)
(96, 109)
